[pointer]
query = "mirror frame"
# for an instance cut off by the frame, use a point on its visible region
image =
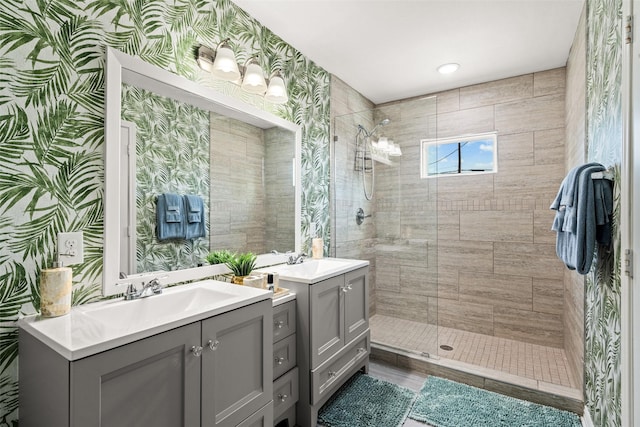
(122, 68)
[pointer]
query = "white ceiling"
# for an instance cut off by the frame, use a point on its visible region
(390, 49)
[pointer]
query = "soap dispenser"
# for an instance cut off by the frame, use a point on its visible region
(55, 290)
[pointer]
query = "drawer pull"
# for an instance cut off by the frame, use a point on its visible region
(332, 374)
(361, 350)
(280, 360)
(279, 324)
(196, 350)
(213, 344)
(282, 397)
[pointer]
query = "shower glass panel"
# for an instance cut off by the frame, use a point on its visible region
(384, 212)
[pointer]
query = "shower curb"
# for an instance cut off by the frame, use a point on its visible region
(534, 391)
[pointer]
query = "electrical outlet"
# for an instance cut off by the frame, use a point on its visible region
(70, 248)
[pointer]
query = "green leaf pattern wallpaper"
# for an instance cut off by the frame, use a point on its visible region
(604, 136)
(52, 129)
(172, 156)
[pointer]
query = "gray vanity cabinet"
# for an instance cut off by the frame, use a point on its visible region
(151, 382)
(236, 366)
(214, 372)
(339, 312)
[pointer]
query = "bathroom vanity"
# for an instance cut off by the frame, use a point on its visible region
(196, 355)
(332, 317)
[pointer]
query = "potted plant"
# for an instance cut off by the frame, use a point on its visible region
(241, 265)
(219, 257)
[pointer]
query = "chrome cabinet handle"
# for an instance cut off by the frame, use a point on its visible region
(345, 289)
(332, 374)
(213, 344)
(279, 324)
(280, 360)
(282, 397)
(361, 350)
(196, 350)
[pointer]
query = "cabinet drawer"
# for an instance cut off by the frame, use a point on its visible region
(284, 355)
(285, 392)
(330, 374)
(284, 320)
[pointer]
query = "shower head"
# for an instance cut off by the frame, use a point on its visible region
(382, 122)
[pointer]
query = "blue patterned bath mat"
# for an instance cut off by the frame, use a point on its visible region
(444, 403)
(365, 401)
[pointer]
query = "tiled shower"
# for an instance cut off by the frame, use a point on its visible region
(463, 267)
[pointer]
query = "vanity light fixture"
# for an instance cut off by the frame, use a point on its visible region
(277, 90)
(253, 80)
(448, 68)
(221, 63)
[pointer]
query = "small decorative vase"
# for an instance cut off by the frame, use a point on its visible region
(238, 280)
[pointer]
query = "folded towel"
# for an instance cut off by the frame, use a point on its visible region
(169, 217)
(195, 226)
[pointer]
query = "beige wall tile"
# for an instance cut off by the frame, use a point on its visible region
(549, 147)
(403, 306)
(496, 92)
(448, 101)
(542, 221)
(515, 150)
(466, 316)
(527, 259)
(548, 296)
(468, 255)
(495, 289)
(493, 226)
(447, 283)
(528, 326)
(448, 225)
(544, 112)
(418, 281)
(465, 187)
(549, 82)
(528, 182)
(463, 122)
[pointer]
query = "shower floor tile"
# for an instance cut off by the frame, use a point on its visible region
(536, 362)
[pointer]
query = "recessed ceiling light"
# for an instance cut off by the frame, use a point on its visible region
(448, 68)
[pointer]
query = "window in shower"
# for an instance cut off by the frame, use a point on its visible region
(464, 155)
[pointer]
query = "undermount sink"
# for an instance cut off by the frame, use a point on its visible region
(315, 270)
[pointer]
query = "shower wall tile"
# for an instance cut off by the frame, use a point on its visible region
(549, 148)
(528, 181)
(515, 150)
(474, 256)
(466, 316)
(448, 225)
(549, 82)
(527, 259)
(548, 296)
(528, 326)
(544, 112)
(496, 92)
(542, 221)
(448, 101)
(510, 291)
(494, 226)
(448, 283)
(404, 306)
(465, 188)
(462, 122)
(418, 281)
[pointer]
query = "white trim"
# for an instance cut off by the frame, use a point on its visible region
(424, 143)
(586, 418)
(123, 68)
(629, 224)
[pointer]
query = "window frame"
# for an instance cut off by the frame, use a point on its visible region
(426, 143)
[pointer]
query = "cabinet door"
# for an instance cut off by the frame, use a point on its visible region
(151, 382)
(237, 366)
(356, 303)
(326, 308)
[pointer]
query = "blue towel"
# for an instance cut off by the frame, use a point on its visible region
(195, 226)
(584, 207)
(170, 218)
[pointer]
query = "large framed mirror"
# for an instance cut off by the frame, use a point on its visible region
(165, 134)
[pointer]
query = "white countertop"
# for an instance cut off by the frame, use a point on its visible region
(315, 270)
(93, 328)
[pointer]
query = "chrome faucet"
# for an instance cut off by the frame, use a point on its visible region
(296, 258)
(148, 289)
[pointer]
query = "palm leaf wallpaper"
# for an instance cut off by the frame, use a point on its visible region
(172, 156)
(604, 135)
(52, 121)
